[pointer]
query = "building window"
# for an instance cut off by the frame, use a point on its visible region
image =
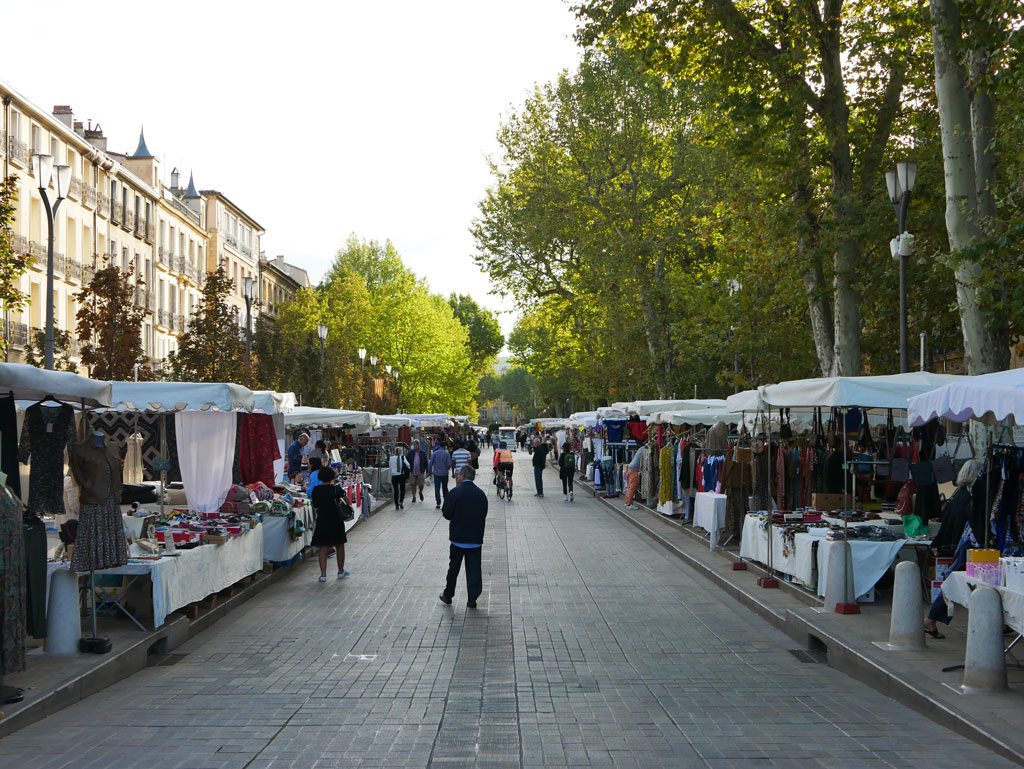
(15, 126)
(37, 139)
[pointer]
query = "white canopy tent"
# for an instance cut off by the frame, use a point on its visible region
(394, 420)
(586, 419)
(644, 408)
(421, 421)
(29, 383)
(696, 417)
(181, 396)
(988, 397)
(270, 402)
(748, 400)
(611, 412)
(880, 392)
(309, 416)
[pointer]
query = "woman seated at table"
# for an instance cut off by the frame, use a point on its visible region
(963, 521)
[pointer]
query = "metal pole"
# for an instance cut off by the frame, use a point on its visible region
(248, 331)
(904, 354)
(923, 336)
(362, 385)
(322, 376)
(51, 211)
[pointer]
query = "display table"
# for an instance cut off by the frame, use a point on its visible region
(796, 560)
(957, 588)
(871, 560)
(194, 574)
(278, 545)
(709, 514)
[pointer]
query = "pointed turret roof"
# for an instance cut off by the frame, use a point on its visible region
(142, 151)
(191, 191)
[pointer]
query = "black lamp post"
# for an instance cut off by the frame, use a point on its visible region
(249, 294)
(362, 377)
(43, 168)
(900, 184)
(321, 331)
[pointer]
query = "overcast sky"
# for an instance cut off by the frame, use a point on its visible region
(319, 119)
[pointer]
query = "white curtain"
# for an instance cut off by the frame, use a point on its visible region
(279, 432)
(206, 452)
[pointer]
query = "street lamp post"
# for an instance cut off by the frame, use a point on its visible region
(387, 368)
(321, 331)
(398, 395)
(43, 168)
(249, 293)
(373, 373)
(900, 184)
(362, 377)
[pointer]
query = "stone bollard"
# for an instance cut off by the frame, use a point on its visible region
(906, 628)
(63, 614)
(985, 660)
(838, 578)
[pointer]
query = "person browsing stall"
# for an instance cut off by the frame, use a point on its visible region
(332, 510)
(295, 454)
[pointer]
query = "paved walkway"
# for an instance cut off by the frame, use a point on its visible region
(592, 646)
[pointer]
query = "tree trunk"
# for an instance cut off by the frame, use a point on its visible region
(981, 347)
(653, 328)
(818, 305)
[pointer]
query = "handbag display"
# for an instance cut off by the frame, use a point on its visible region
(922, 473)
(942, 469)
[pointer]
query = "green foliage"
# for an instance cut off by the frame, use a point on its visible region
(485, 337)
(35, 350)
(109, 324)
(370, 300)
(12, 264)
(212, 348)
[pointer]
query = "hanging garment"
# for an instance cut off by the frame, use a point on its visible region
(12, 584)
(698, 479)
(9, 444)
(712, 469)
(34, 540)
(614, 430)
(100, 542)
(762, 499)
(279, 437)
(637, 430)
(685, 467)
(171, 435)
(780, 475)
(205, 443)
(133, 459)
(259, 449)
(665, 474)
(45, 435)
(648, 479)
(718, 438)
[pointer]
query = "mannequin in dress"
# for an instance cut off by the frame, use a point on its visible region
(100, 542)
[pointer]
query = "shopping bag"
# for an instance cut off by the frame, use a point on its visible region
(913, 526)
(942, 469)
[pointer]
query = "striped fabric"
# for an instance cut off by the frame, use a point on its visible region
(460, 458)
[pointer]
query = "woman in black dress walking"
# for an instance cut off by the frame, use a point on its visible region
(332, 510)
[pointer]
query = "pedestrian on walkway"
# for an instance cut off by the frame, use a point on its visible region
(466, 509)
(540, 455)
(331, 508)
(566, 470)
(440, 466)
(460, 458)
(399, 467)
(633, 476)
(417, 459)
(295, 454)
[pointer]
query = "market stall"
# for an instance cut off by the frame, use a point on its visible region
(22, 532)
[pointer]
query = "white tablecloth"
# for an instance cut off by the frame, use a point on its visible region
(709, 513)
(871, 560)
(796, 561)
(197, 573)
(957, 588)
(278, 545)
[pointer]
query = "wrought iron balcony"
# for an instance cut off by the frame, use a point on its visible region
(20, 244)
(76, 189)
(90, 197)
(231, 241)
(16, 334)
(17, 151)
(150, 234)
(151, 301)
(164, 257)
(103, 203)
(116, 213)
(129, 220)
(87, 273)
(73, 271)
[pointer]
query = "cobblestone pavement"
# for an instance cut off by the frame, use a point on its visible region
(592, 646)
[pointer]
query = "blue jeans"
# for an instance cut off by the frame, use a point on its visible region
(939, 612)
(538, 478)
(440, 484)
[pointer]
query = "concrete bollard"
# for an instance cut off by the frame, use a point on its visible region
(985, 660)
(839, 591)
(906, 629)
(63, 614)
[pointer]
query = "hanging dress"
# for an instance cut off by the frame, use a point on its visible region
(45, 435)
(133, 459)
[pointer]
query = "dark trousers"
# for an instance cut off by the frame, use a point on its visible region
(538, 479)
(566, 476)
(35, 577)
(440, 485)
(474, 579)
(398, 485)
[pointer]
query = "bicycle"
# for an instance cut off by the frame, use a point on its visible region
(504, 485)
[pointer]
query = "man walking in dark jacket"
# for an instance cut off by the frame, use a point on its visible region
(540, 456)
(466, 508)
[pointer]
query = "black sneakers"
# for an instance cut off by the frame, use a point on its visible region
(444, 600)
(471, 605)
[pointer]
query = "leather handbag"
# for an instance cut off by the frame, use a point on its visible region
(899, 469)
(922, 474)
(942, 469)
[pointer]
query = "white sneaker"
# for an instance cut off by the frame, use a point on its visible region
(631, 507)
(572, 496)
(341, 574)
(323, 578)
(565, 498)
